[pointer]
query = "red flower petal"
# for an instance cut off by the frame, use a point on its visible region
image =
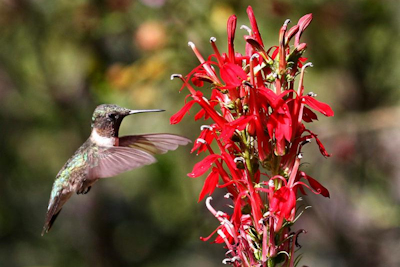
(208, 108)
(232, 74)
(320, 145)
(177, 117)
(317, 186)
(220, 240)
(275, 52)
(201, 167)
(199, 114)
(308, 115)
(208, 237)
(318, 106)
(197, 81)
(262, 139)
(237, 212)
(210, 183)
(268, 94)
(238, 124)
(206, 135)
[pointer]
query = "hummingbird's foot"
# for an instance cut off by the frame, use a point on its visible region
(87, 190)
(84, 190)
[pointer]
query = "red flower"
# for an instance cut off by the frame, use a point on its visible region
(283, 201)
(283, 205)
(257, 125)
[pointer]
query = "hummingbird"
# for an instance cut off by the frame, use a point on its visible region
(105, 154)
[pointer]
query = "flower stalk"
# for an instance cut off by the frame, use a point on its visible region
(258, 123)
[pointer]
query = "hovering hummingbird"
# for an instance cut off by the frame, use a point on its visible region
(105, 154)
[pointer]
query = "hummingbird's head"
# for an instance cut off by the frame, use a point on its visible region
(107, 118)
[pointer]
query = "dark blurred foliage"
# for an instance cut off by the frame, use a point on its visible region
(59, 59)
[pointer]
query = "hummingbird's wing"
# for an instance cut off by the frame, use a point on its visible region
(110, 161)
(133, 151)
(153, 143)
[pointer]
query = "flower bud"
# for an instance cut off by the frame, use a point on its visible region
(251, 128)
(301, 47)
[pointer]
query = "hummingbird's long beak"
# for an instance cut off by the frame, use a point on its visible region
(144, 111)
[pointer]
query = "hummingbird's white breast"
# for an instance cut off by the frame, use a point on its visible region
(99, 140)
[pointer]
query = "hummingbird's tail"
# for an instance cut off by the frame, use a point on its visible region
(54, 209)
(49, 223)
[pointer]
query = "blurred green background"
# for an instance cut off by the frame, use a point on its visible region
(59, 59)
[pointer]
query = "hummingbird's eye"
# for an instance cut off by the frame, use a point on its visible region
(111, 116)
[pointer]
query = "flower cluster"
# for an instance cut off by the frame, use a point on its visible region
(258, 129)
